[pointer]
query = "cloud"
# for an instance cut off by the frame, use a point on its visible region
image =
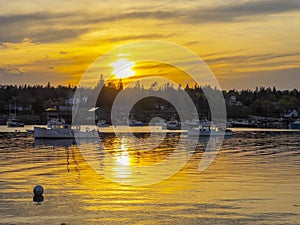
(7, 45)
(40, 27)
(200, 14)
(138, 37)
(10, 71)
(45, 26)
(249, 58)
(240, 12)
(222, 14)
(281, 79)
(16, 45)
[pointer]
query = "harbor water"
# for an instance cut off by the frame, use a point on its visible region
(254, 179)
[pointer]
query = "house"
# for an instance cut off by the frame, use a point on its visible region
(233, 101)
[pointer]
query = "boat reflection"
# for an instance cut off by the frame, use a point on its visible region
(137, 159)
(144, 159)
(63, 142)
(54, 142)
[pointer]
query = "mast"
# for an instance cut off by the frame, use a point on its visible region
(9, 107)
(15, 109)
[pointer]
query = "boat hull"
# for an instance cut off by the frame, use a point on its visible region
(208, 133)
(15, 125)
(135, 124)
(44, 133)
(243, 125)
(295, 125)
(173, 127)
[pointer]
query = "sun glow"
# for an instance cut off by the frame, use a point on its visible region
(123, 68)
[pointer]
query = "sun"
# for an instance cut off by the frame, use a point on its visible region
(122, 68)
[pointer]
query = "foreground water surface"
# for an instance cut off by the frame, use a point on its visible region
(254, 179)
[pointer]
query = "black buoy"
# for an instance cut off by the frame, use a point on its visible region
(38, 190)
(38, 198)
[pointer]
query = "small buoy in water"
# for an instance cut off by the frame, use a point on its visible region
(38, 190)
(38, 198)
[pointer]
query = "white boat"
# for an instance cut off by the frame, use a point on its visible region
(173, 125)
(162, 123)
(102, 123)
(206, 123)
(13, 122)
(57, 129)
(135, 123)
(203, 131)
(191, 123)
(243, 124)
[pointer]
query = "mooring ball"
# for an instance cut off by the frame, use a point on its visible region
(38, 198)
(38, 190)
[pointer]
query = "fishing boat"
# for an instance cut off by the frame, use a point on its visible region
(191, 123)
(12, 120)
(173, 125)
(58, 129)
(243, 124)
(204, 131)
(295, 125)
(135, 123)
(102, 123)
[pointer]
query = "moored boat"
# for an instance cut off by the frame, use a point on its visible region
(102, 123)
(173, 125)
(243, 124)
(13, 122)
(135, 123)
(57, 129)
(191, 123)
(295, 125)
(203, 131)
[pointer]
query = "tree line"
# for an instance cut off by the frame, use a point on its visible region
(262, 101)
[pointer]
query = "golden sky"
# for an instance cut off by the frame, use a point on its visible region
(245, 43)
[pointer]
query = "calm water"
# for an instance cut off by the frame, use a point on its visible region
(255, 179)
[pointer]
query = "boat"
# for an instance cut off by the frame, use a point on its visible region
(13, 122)
(102, 123)
(206, 123)
(243, 124)
(135, 123)
(173, 125)
(58, 129)
(204, 131)
(295, 125)
(191, 123)
(161, 123)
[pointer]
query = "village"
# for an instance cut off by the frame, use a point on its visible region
(262, 108)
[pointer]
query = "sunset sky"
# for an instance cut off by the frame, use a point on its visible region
(245, 43)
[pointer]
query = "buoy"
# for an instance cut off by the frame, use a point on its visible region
(38, 198)
(38, 190)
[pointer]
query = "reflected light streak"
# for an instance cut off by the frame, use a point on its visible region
(122, 163)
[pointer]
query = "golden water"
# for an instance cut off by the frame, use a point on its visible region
(255, 179)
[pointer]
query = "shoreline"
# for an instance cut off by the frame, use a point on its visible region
(141, 130)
